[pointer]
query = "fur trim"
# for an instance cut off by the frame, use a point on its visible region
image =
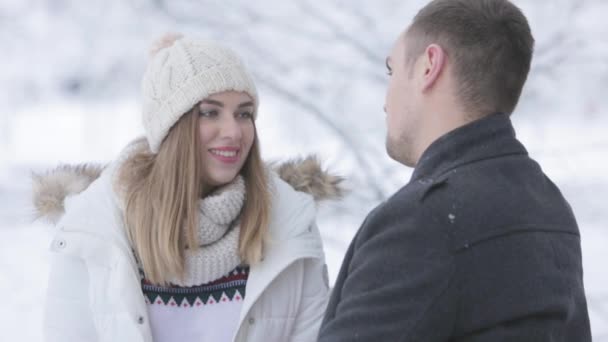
(307, 175)
(52, 188)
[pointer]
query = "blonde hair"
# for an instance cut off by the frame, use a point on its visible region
(161, 193)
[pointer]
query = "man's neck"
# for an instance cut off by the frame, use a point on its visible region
(438, 123)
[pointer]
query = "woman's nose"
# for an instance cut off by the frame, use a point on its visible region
(230, 128)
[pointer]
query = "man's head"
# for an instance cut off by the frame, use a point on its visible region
(458, 61)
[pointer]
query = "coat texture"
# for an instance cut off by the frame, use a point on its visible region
(479, 246)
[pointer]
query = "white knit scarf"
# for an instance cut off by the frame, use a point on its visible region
(218, 236)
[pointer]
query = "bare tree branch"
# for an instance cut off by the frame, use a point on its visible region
(340, 34)
(354, 147)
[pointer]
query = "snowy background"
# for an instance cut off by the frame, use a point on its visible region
(69, 93)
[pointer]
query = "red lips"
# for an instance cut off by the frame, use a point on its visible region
(225, 154)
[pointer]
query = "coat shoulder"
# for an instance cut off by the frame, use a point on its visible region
(292, 212)
(492, 198)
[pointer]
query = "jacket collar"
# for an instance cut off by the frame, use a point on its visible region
(489, 137)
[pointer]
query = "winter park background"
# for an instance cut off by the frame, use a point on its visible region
(69, 93)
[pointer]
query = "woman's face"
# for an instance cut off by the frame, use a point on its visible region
(226, 134)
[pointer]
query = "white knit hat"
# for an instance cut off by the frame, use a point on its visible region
(182, 72)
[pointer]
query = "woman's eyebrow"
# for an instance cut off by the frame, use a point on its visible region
(213, 102)
(246, 104)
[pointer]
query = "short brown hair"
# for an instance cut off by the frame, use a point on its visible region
(489, 43)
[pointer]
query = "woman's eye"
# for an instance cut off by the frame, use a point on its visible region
(208, 113)
(246, 115)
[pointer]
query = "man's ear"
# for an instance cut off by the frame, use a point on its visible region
(434, 60)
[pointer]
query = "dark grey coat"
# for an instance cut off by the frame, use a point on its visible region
(479, 246)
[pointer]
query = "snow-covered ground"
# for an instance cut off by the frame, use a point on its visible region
(68, 94)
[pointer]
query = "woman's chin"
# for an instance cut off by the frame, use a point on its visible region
(220, 179)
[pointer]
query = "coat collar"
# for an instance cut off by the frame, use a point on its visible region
(489, 137)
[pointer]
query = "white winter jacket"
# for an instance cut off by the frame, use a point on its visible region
(94, 290)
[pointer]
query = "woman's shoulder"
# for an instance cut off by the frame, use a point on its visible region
(297, 186)
(78, 195)
(290, 209)
(57, 188)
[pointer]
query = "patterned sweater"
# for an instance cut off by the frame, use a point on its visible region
(208, 312)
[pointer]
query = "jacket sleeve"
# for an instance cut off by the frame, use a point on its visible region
(67, 314)
(524, 287)
(315, 293)
(393, 287)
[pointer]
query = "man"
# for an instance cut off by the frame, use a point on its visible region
(480, 245)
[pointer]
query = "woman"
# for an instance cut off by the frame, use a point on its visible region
(187, 236)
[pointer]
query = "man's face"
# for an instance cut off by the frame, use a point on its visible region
(402, 115)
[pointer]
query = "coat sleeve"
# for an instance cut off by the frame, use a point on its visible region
(67, 314)
(524, 287)
(393, 287)
(315, 293)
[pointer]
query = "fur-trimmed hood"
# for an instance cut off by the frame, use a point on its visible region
(50, 189)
